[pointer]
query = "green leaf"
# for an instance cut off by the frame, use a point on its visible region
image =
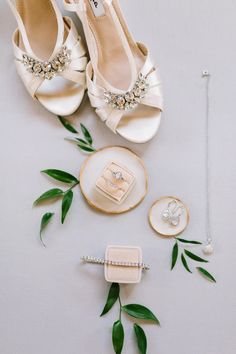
(185, 264)
(66, 204)
(141, 339)
(83, 145)
(44, 222)
(112, 298)
(67, 125)
(195, 257)
(85, 148)
(83, 142)
(86, 134)
(118, 337)
(141, 312)
(175, 253)
(61, 176)
(51, 194)
(206, 274)
(188, 241)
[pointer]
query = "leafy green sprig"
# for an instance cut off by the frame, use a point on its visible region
(55, 194)
(65, 196)
(85, 144)
(133, 310)
(187, 254)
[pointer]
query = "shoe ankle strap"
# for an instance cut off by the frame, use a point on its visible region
(21, 26)
(22, 29)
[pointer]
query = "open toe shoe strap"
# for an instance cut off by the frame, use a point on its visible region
(112, 116)
(74, 71)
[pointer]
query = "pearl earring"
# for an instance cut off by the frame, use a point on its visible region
(172, 213)
(208, 249)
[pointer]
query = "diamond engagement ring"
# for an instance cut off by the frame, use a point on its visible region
(118, 175)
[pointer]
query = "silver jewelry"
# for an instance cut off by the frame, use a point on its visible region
(208, 248)
(94, 260)
(117, 175)
(113, 185)
(172, 213)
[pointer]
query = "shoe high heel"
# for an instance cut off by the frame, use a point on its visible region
(49, 55)
(123, 84)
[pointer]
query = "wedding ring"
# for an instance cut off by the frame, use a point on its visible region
(118, 175)
(111, 184)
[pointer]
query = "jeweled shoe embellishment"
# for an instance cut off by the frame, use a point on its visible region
(130, 99)
(48, 69)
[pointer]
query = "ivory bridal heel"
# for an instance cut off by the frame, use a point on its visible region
(50, 57)
(123, 84)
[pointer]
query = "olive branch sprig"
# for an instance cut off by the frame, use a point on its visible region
(55, 194)
(85, 144)
(137, 311)
(187, 254)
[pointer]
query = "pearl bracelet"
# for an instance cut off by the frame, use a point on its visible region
(100, 261)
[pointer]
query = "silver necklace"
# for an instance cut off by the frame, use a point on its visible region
(208, 247)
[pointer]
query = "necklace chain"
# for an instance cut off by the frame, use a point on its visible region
(207, 76)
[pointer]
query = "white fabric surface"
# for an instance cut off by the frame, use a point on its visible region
(49, 303)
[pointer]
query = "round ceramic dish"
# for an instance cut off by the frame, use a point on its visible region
(93, 168)
(162, 227)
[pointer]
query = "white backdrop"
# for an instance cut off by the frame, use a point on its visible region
(49, 303)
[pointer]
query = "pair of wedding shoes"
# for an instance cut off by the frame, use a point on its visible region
(123, 84)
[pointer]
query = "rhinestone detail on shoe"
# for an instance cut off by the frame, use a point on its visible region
(47, 69)
(130, 99)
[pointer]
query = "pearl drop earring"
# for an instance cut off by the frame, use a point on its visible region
(172, 213)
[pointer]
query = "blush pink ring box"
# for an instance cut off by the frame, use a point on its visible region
(115, 182)
(126, 274)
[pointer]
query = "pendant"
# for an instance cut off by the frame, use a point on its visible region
(208, 249)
